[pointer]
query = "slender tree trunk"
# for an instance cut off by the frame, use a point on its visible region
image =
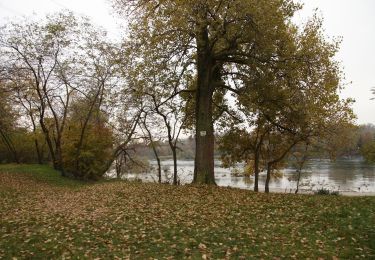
(174, 153)
(59, 126)
(8, 143)
(50, 148)
(54, 151)
(301, 164)
(271, 163)
(58, 157)
(118, 166)
(49, 141)
(155, 151)
(256, 169)
(268, 178)
(159, 169)
(37, 148)
(119, 163)
(173, 149)
(258, 147)
(85, 124)
(117, 151)
(157, 159)
(204, 152)
(298, 179)
(38, 151)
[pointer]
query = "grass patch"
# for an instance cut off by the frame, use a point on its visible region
(44, 218)
(41, 173)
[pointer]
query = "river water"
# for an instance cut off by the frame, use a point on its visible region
(345, 176)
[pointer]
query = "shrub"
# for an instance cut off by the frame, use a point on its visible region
(323, 191)
(96, 150)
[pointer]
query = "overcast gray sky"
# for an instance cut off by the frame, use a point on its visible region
(354, 20)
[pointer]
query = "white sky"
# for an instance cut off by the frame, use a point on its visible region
(354, 20)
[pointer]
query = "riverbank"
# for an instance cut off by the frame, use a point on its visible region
(310, 192)
(45, 216)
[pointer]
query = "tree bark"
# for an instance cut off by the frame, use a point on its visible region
(256, 169)
(38, 151)
(271, 163)
(37, 148)
(204, 153)
(8, 143)
(173, 147)
(268, 178)
(174, 153)
(301, 164)
(117, 151)
(48, 140)
(159, 167)
(118, 166)
(299, 177)
(58, 156)
(94, 102)
(155, 151)
(55, 152)
(258, 147)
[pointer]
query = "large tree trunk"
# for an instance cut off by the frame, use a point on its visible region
(204, 152)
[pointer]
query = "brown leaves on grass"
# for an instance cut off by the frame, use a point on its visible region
(140, 221)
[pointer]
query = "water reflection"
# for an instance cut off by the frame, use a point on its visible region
(342, 175)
